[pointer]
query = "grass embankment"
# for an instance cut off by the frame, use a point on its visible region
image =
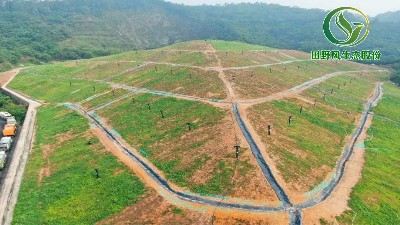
(83, 69)
(374, 200)
(301, 158)
(236, 46)
(59, 186)
(181, 80)
(195, 159)
(261, 81)
(56, 90)
(350, 91)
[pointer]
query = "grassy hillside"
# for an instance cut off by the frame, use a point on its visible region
(373, 199)
(138, 95)
(59, 186)
(155, 125)
(41, 31)
(306, 151)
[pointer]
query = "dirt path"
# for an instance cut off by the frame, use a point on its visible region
(220, 69)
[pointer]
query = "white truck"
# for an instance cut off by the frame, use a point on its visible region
(5, 115)
(11, 120)
(3, 159)
(5, 143)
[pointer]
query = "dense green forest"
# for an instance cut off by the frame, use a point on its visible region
(41, 31)
(7, 105)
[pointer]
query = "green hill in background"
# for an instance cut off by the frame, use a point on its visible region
(59, 30)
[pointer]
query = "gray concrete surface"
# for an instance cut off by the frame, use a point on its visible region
(16, 166)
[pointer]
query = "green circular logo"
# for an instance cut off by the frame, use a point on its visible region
(351, 30)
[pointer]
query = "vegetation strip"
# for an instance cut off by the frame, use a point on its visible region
(326, 192)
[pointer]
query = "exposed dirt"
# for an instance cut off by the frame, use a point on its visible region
(154, 209)
(6, 76)
(198, 214)
(295, 197)
(238, 218)
(229, 90)
(218, 143)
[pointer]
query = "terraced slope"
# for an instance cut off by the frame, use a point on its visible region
(172, 108)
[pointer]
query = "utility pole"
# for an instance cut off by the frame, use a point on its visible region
(237, 147)
(189, 126)
(162, 114)
(148, 105)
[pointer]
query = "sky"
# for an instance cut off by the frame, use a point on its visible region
(370, 7)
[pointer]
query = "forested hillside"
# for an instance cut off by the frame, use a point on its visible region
(41, 31)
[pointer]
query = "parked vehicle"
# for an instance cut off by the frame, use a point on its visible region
(5, 115)
(9, 130)
(3, 159)
(11, 120)
(6, 143)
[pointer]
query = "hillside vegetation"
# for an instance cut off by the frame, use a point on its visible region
(372, 200)
(42, 31)
(171, 107)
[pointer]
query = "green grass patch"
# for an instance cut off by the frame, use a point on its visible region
(56, 90)
(349, 92)
(295, 146)
(236, 46)
(182, 80)
(71, 194)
